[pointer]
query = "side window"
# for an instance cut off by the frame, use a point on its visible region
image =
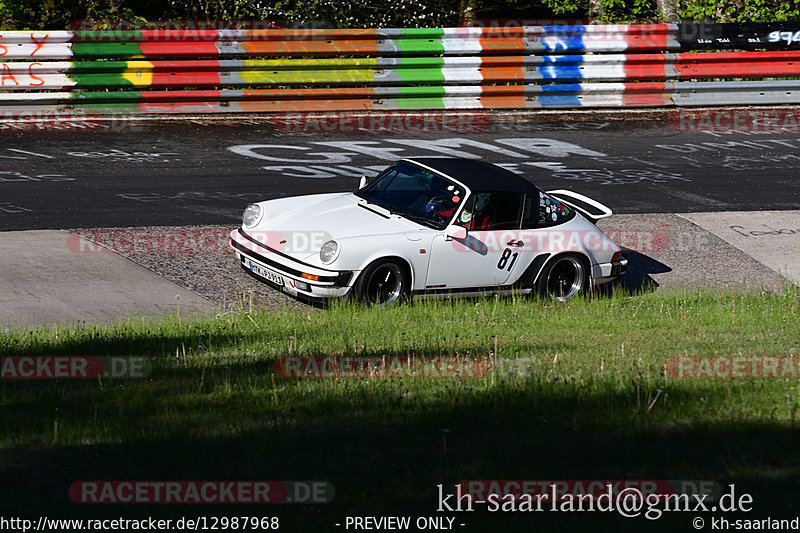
(542, 210)
(465, 217)
(486, 211)
(551, 211)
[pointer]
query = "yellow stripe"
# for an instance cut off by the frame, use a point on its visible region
(307, 70)
(139, 73)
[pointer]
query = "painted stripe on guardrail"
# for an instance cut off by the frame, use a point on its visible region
(398, 68)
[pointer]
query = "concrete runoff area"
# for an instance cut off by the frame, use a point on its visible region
(770, 237)
(670, 251)
(45, 282)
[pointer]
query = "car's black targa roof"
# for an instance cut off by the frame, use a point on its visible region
(477, 175)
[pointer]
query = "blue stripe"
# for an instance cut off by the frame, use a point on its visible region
(563, 42)
(580, 28)
(561, 95)
(563, 59)
(561, 72)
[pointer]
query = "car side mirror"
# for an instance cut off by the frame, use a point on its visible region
(455, 232)
(363, 182)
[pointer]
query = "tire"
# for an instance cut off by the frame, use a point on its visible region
(383, 283)
(563, 278)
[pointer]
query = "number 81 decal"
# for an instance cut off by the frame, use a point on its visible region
(505, 257)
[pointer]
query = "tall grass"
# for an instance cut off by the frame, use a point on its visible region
(579, 391)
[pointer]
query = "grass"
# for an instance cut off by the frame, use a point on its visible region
(580, 393)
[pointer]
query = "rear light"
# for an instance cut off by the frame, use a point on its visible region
(617, 256)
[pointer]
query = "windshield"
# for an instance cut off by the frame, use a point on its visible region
(415, 193)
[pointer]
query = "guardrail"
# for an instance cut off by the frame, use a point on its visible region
(209, 71)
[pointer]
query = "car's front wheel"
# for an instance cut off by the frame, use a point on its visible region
(382, 283)
(563, 278)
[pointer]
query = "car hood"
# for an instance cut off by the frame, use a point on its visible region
(337, 215)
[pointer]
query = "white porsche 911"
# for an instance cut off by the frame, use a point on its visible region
(429, 227)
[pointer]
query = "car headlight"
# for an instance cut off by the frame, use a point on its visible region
(252, 215)
(329, 251)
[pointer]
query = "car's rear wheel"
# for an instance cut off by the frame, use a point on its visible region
(563, 278)
(382, 283)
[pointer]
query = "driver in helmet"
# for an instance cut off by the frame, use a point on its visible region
(478, 218)
(442, 207)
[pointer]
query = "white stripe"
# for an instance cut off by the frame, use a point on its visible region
(462, 61)
(33, 52)
(465, 90)
(52, 67)
(470, 32)
(462, 74)
(37, 81)
(59, 36)
(462, 46)
(462, 102)
(32, 97)
(602, 94)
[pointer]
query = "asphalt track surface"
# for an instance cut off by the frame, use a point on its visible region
(204, 172)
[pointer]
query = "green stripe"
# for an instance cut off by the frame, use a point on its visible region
(103, 50)
(411, 33)
(421, 98)
(100, 36)
(415, 75)
(412, 41)
(91, 97)
(103, 103)
(100, 74)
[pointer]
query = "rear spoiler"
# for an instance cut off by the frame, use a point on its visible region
(590, 209)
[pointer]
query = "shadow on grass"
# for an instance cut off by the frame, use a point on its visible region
(637, 279)
(384, 445)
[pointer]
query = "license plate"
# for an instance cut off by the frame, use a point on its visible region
(265, 273)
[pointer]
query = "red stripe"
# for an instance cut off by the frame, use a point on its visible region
(185, 73)
(645, 66)
(175, 36)
(179, 96)
(179, 49)
(178, 36)
(647, 94)
(738, 64)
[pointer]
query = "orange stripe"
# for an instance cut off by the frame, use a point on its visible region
(503, 97)
(503, 44)
(336, 99)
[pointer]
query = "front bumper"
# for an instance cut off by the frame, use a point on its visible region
(605, 272)
(289, 275)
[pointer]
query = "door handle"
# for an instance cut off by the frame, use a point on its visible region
(516, 243)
